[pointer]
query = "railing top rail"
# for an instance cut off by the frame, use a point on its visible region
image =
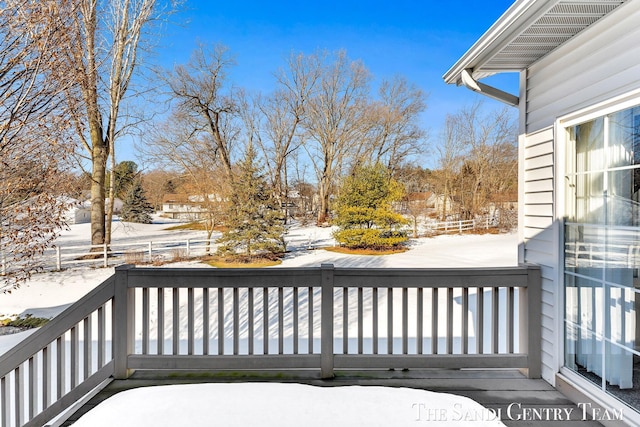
(62, 323)
(311, 276)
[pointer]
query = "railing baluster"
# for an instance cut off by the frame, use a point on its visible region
(18, 395)
(434, 321)
(495, 327)
(480, 321)
(449, 320)
(389, 320)
(420, 320)
(33, 387)
(6, 401)
(145, 320)
(250, 320)
(190, 321)
(102, 339)
(61, 365)
(295, 320)
(220, 321)
(374, 315)
(345, 320)
(46, 376)
(280, 320)
(510, 319)
(310, 319)
(75, 368)
(236, 321)
(465, 321)
(360, 320)
(160, 330)
(88, 347)
(205, 321)
(176, 321)
(265, 320)
(405, 320)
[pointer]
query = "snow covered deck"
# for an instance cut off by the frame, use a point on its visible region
(323, 319)
(405, 397)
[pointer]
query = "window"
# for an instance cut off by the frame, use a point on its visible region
(602, 252)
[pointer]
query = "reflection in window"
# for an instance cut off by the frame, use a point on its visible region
(602, 252)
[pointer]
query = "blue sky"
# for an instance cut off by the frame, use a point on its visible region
(419, 39)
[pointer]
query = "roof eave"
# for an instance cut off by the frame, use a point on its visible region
(513, 22)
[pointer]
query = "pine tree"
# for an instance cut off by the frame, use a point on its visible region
(136, 207)
(364, 210)
(255, 222)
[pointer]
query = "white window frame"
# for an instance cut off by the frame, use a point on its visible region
(600, 109)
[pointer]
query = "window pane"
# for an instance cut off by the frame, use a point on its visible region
(589, 356)
(585, 198)
(622, 381)
(602, 252)
(589, 145)
(623, 196)
(585, 249)
(624, 138)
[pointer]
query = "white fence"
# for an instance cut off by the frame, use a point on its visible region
(149, 252)
(458, 226)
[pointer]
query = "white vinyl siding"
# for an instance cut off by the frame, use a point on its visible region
(596, 65)
(540, 241)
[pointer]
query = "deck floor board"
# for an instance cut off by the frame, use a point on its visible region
(494, 389)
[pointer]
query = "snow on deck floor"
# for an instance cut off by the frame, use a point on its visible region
(283, 405)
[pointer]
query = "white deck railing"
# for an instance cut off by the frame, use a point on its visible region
(322, 318)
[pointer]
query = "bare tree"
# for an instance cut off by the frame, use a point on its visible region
(481, 133)
(450, 160)
(105, 42)
(199, 90)
(32, 135)
(395, 132)
(174, 145)
(273, 122)
(478, 157)
(159, 182)
(335, 121)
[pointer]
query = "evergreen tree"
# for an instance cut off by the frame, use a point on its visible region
(255, 221)
(136, 207)
(364, 210)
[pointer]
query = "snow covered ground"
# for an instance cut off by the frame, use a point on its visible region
(285, 405)
(47, 294)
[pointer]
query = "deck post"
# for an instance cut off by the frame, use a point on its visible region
(123, 322)
(530, 324)
(326, 325)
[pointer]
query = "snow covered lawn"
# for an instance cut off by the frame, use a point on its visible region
(47, 294)
(284, 405)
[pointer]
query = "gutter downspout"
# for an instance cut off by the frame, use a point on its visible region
(470, 83)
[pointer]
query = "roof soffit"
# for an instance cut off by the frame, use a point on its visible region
(529, 30)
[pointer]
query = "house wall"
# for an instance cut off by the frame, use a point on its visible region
(598, 64)
(538, 233)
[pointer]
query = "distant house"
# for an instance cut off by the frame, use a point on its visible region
(183, 206)
(579, 182)
(78, 213)
(428, 201)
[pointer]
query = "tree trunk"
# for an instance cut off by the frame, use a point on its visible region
(112, 197)
(99, 161)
